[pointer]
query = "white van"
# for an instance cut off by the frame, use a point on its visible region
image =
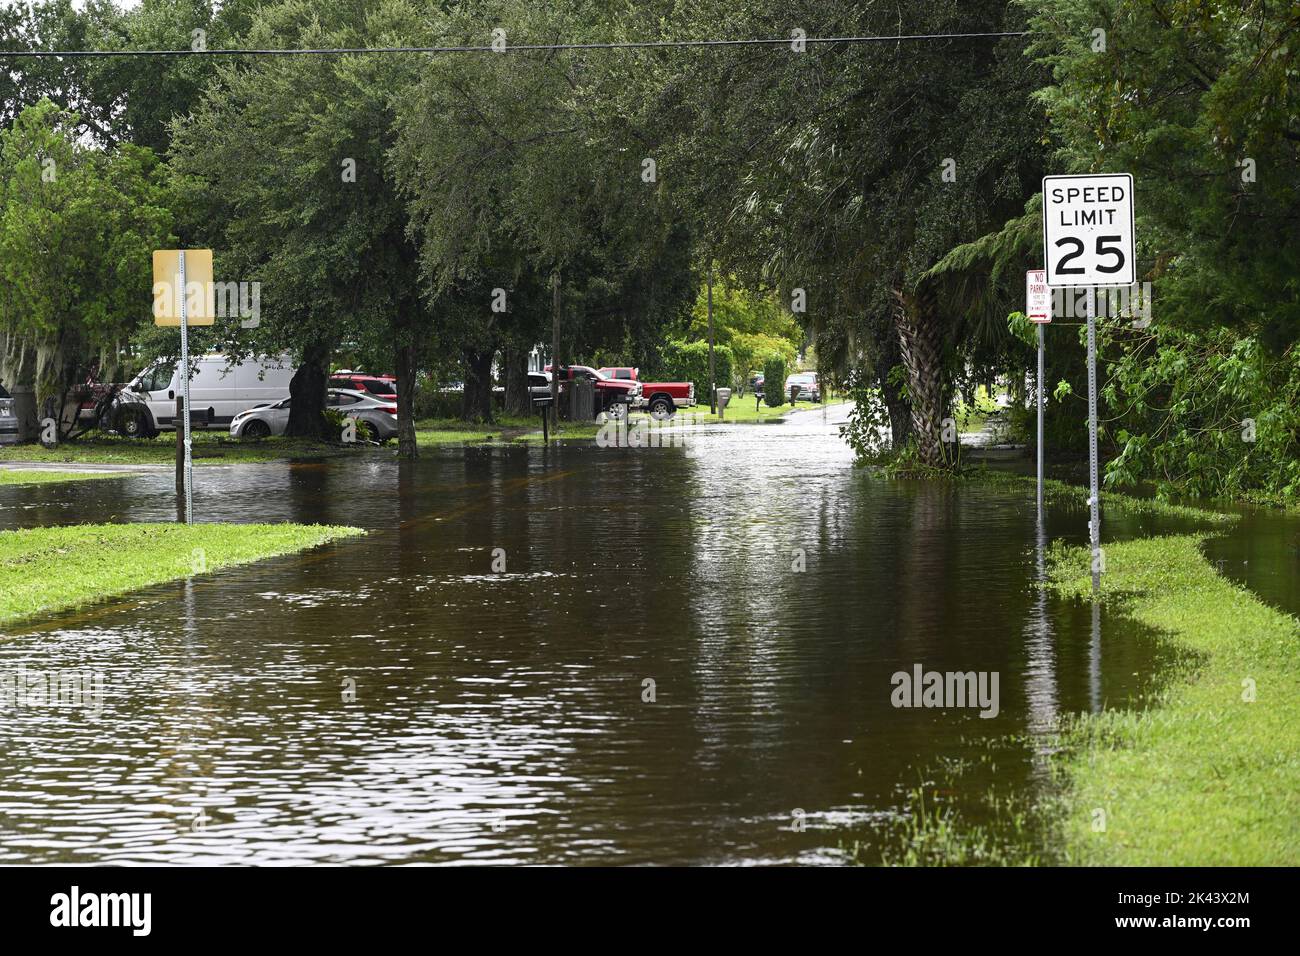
(217, 392)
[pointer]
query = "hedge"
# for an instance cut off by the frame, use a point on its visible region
(689, 362)
(774, 381)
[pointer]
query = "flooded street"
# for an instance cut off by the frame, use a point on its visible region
(400, 698)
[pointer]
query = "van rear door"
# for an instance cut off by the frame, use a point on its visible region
(262, 381)
(212, 389)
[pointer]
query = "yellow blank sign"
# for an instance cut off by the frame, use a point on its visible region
(198, 292)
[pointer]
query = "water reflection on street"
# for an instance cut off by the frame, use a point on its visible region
(394, 698)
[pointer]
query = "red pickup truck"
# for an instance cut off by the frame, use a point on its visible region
(661, 398)
(612, 396)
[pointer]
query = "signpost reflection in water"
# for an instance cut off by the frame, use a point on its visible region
(767, 588)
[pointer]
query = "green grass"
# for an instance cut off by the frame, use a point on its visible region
(933, 834)
(15, 476)
(1060, 490)
(1203, 777)
(741, 410)
(47, 570)
(569, 431)
(455, 431)
(209, 447)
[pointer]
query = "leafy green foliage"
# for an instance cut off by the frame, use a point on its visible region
(77, 230)
(285, 165)
(689, 362)
(867, 430)
(1199, 101)
(753, 325)
(1204, 413)
(774, 381)
(546, 174)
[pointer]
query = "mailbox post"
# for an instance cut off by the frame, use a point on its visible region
(724, 396)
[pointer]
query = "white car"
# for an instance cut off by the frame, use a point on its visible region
(376, 419)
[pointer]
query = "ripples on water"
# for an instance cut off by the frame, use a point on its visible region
(500, 717)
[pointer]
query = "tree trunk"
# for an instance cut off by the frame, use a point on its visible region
(477, 405)
(307, 390)
(518, 400)
(404, 367)
(888, 357)
(920, 343)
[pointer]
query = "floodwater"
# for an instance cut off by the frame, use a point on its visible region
(687, 658)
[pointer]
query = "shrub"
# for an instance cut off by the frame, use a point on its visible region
(689, 362)
(774, 381)
(431, 403)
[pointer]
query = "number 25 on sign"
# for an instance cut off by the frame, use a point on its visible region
(1088, 230)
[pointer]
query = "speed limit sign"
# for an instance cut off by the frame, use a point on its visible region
(1088, 230)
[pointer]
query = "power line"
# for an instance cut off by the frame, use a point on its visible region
(522, 48)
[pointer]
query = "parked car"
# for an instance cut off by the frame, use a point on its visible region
(803, 386)
(539, 384)
(662, 399)
(381, 386)
(148, 403)
(376, 418)
(8, 420)
(613, 396)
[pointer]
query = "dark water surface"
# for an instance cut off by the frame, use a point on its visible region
(499, 717)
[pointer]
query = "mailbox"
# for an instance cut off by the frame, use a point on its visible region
(724, 396)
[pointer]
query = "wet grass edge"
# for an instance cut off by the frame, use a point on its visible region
(44, 571)
(1209, 775)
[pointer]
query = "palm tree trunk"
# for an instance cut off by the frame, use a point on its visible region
(920, 341)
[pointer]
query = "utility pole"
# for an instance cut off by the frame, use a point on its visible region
(713, 385)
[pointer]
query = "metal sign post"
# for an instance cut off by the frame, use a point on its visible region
(1089, 240)
(171, 275)
(185, 390)
(1039, 389)
(1094, 493)
(1038, 307)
